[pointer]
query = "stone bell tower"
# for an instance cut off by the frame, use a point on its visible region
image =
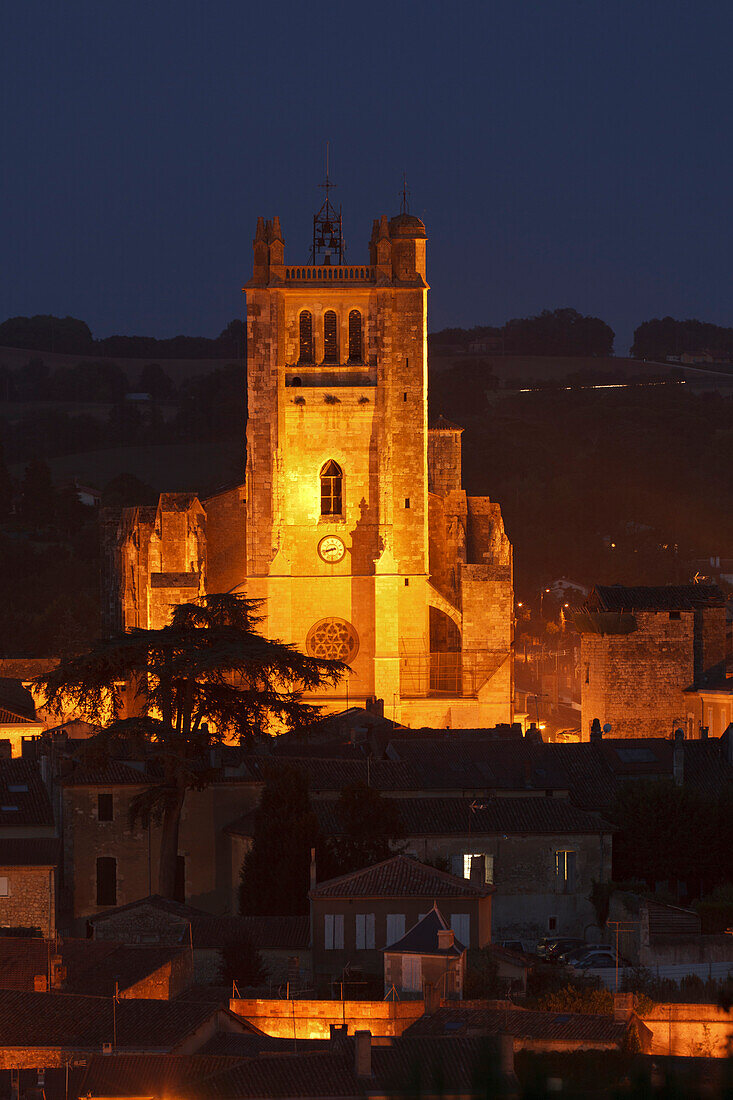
(337, 537)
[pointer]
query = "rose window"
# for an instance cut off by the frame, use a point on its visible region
(334, 640)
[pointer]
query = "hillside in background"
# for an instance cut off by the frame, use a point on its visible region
(606, 469)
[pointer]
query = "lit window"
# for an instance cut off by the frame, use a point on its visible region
(306, 337)
(565, 872)
(331, 486)
(483, 857)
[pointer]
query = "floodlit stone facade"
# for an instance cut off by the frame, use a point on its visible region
(351, 525)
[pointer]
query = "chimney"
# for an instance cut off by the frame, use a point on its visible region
(338, 1032)
(704, 731)
(313, 869)
(678, 759)
(596, 733)
(623, 1007)
(506, 1054)
(446, 938)
(363, 1053)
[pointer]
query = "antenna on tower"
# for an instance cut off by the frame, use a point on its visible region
(405, 204)
(328, 237)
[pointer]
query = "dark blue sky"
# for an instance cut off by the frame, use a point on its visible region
(561, 152)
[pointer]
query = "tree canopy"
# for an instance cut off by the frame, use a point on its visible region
(661, 338)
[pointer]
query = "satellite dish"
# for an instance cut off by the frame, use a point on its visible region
(607, 727)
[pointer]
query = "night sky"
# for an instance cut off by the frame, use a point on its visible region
(561, 153)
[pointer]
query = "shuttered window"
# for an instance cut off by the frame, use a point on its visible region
(365, 939)
(333, 932)
(395, 927)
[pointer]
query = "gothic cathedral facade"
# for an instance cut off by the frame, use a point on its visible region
(351, 525)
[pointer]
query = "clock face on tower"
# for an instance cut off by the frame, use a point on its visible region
(331, 549)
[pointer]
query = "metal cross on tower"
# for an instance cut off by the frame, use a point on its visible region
(328, 237)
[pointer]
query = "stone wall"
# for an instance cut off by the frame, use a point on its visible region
(314, 1019)
(637, 681)
(524, 875)
(690, 1030)
(32, 900)
(208, 867)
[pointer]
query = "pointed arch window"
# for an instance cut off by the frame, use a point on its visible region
(306, 337)
(330, 337)
(355, 349)
(332, 479)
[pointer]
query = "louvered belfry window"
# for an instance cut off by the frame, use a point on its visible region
(306, 337)
(331, 484)
(330, 338)
(355, 352)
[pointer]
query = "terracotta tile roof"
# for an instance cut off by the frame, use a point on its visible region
(148, 1074)
(114, 773)
(42, 851)
(667, 597)
(210, 930)
(521, 1023)
(85, 1023)
(250, 1046)
(479, 816)
(334, 775)
(314, 1074)
(15, 701)
(400, 876)
(21, 787)
(501, 764)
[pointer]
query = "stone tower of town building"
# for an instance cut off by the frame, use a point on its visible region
(351, 525)
(653, 660)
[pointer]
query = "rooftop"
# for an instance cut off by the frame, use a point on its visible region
(668, 597)
(85, 1022)
(23, 796)
(423, 939)
(400, 876)
(480, 816)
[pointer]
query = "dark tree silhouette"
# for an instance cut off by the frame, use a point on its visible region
(207, 678)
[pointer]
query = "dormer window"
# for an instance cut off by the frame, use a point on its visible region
(306, 337)
(331, 487)
(330, 337)
(355, 345)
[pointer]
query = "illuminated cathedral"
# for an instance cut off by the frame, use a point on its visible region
(350, 523)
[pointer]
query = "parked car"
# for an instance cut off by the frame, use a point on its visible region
(551, 946)
(568, 958)
(514, 945)
(599, 960)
